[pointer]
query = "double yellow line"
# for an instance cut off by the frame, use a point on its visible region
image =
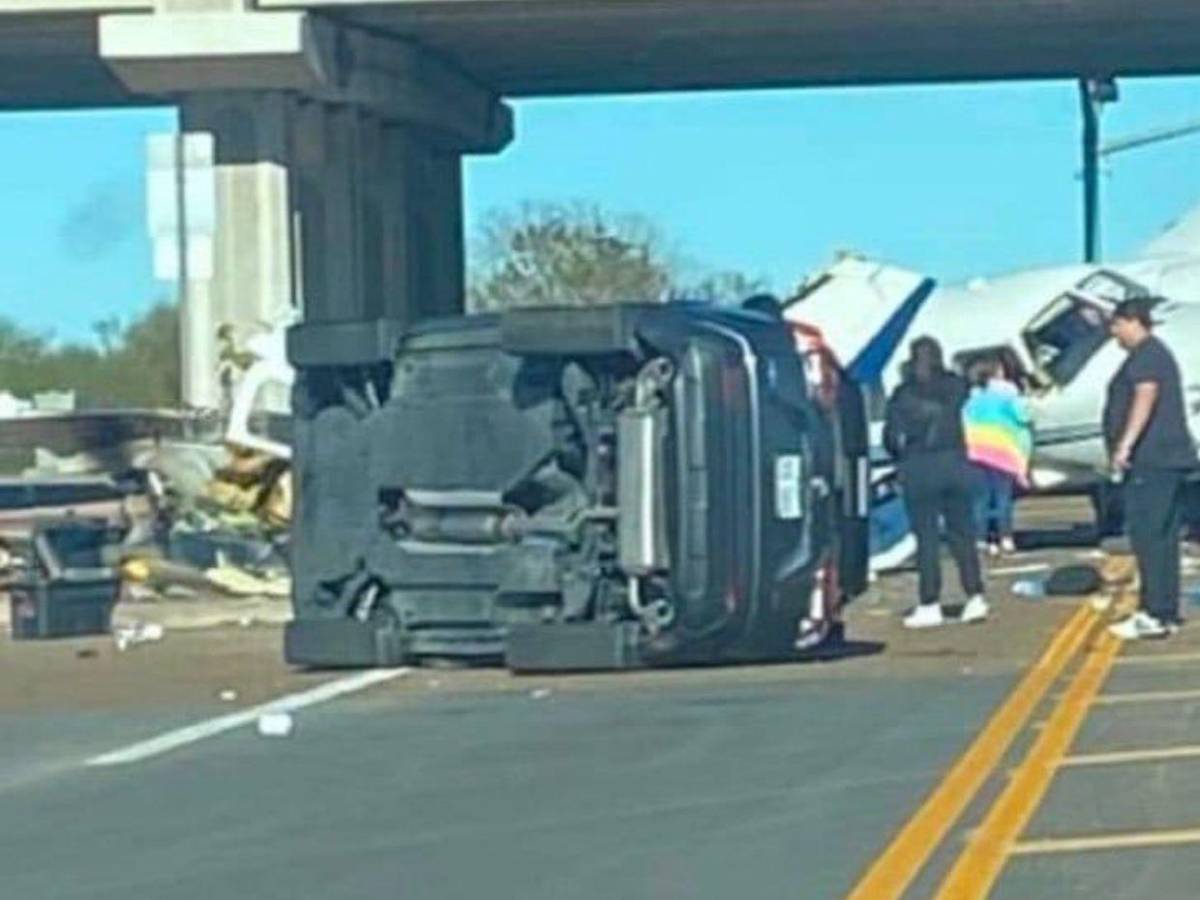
(981, 863)
(890, 875)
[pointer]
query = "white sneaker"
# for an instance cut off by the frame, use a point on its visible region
(1150, 623)
(926, 615)
(810, 633)
(1168, 628)
(1139, 626)
(976, 610)
(1008, 546)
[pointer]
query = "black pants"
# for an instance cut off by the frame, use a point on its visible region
(1153, 517)
(938, 488)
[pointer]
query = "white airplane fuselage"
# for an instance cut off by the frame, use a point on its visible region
(1051, 322)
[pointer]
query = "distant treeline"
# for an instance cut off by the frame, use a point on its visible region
(127, 365)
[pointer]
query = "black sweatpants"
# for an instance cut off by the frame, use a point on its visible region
(938, 488)
(1154, 517)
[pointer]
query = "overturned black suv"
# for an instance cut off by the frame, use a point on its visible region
(571, 488)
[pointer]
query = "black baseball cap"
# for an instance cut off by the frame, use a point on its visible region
(1136, 309)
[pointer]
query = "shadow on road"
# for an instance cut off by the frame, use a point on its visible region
(845, 649)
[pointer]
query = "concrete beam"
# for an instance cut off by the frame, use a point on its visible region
(170, 54)
(43, 7)
(402, 82)
(554, 47)
(207, 6)
(51, 62)
(543, 47)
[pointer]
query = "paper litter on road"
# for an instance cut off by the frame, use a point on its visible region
(241, 583)
(275, 724)
(138, 633)
(1020, 570)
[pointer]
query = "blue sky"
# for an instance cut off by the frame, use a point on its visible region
(953, 180)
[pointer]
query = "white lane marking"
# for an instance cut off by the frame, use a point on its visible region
(1117, 757)
(1128, 841)
(190, 734)
(1146, 697)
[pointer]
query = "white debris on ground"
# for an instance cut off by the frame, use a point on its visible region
(1101, 602)
(275, 724)
(12, 406)
(241, 583)
(138, 633)
(200, 503)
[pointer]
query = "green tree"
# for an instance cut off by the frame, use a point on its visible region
(150, 345)
(130, 366)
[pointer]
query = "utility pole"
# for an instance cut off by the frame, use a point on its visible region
(1093, 94)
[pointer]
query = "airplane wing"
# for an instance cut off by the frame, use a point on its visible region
(863, 309)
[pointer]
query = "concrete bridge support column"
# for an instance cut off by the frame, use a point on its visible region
(378, 217)
(338, 161)
(339, 173)
(252, 283)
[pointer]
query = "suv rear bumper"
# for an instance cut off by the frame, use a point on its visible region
(582, 646)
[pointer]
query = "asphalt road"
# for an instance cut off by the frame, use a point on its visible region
(1131, 795)
(750, 782)
(754, 782)
(755, 790)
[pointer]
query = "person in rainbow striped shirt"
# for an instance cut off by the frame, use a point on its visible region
(999, 437)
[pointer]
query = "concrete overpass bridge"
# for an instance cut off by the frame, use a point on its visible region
(340, 125)
(537, 47)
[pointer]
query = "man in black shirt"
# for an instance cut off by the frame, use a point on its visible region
(1145, 427)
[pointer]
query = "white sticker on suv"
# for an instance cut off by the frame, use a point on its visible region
(789, 470)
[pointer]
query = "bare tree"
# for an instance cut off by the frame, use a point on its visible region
(722, 288)
(567, 255)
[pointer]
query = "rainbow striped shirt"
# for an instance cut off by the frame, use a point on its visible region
(997, 425)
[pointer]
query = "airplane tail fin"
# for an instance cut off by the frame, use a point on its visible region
(1180, 237)
(863, 309)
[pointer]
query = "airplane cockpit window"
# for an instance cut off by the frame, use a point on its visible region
(1065, 336)
(1106, 285)
(1069, 332)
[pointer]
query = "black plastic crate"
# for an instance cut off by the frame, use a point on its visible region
(66, 591)
(62, 608)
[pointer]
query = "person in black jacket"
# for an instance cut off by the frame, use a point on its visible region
(923, 432)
